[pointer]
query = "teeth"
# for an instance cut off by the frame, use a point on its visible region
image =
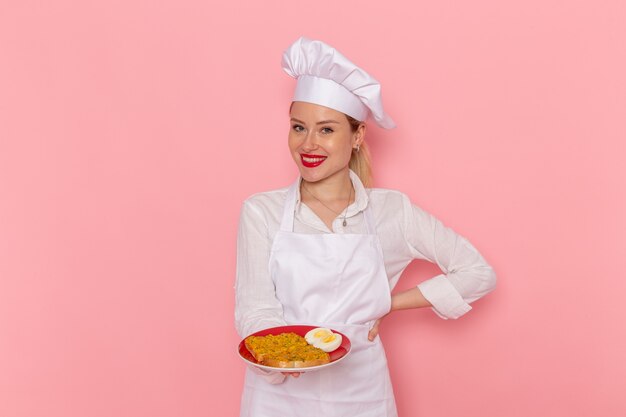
(312, 160)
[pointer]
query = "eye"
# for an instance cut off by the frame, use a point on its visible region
(297, 128)
(327, 130)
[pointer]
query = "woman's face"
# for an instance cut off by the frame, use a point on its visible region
(321, 141)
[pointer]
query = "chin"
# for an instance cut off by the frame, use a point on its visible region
(309, 177)
(314, 175)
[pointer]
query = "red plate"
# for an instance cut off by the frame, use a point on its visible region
(335, 356)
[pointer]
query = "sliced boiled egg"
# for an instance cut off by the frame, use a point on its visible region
(323, 338)
(316, 334)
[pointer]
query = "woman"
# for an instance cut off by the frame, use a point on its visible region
(327, 251)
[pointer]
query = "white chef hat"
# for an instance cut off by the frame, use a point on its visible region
(328, 78)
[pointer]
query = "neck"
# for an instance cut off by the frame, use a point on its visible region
(335, 187)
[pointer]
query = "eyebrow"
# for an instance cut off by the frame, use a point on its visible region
(318, 123)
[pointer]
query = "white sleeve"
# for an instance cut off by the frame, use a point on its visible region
(466, 276)
(256, 305)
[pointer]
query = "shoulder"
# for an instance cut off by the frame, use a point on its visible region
(396, 207)
(388, 198)
(266, 204)
(391, 208)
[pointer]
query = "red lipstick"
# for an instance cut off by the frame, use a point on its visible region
(312, 161)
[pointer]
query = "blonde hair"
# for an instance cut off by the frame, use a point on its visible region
(360, 161)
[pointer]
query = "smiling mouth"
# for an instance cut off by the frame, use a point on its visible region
(311, 161)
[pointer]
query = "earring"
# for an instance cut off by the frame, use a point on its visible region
(357, 147)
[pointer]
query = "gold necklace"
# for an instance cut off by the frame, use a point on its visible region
(344, 211)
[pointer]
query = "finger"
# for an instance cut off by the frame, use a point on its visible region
(373, 331)
(372, 334)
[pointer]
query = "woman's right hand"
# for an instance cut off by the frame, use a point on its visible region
(293, 374)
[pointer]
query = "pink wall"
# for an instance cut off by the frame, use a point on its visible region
(130, 132)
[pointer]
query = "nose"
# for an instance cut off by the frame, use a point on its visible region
(310, 141)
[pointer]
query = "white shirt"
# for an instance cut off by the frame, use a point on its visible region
(406, 232)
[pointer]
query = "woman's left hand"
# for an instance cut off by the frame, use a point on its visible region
(374, 330)
(411, 298)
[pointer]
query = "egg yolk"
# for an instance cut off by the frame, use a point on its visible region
(320, 333)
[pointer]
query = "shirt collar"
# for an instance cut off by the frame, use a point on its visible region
(360, 197)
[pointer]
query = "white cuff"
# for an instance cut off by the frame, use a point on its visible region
(446, 300)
